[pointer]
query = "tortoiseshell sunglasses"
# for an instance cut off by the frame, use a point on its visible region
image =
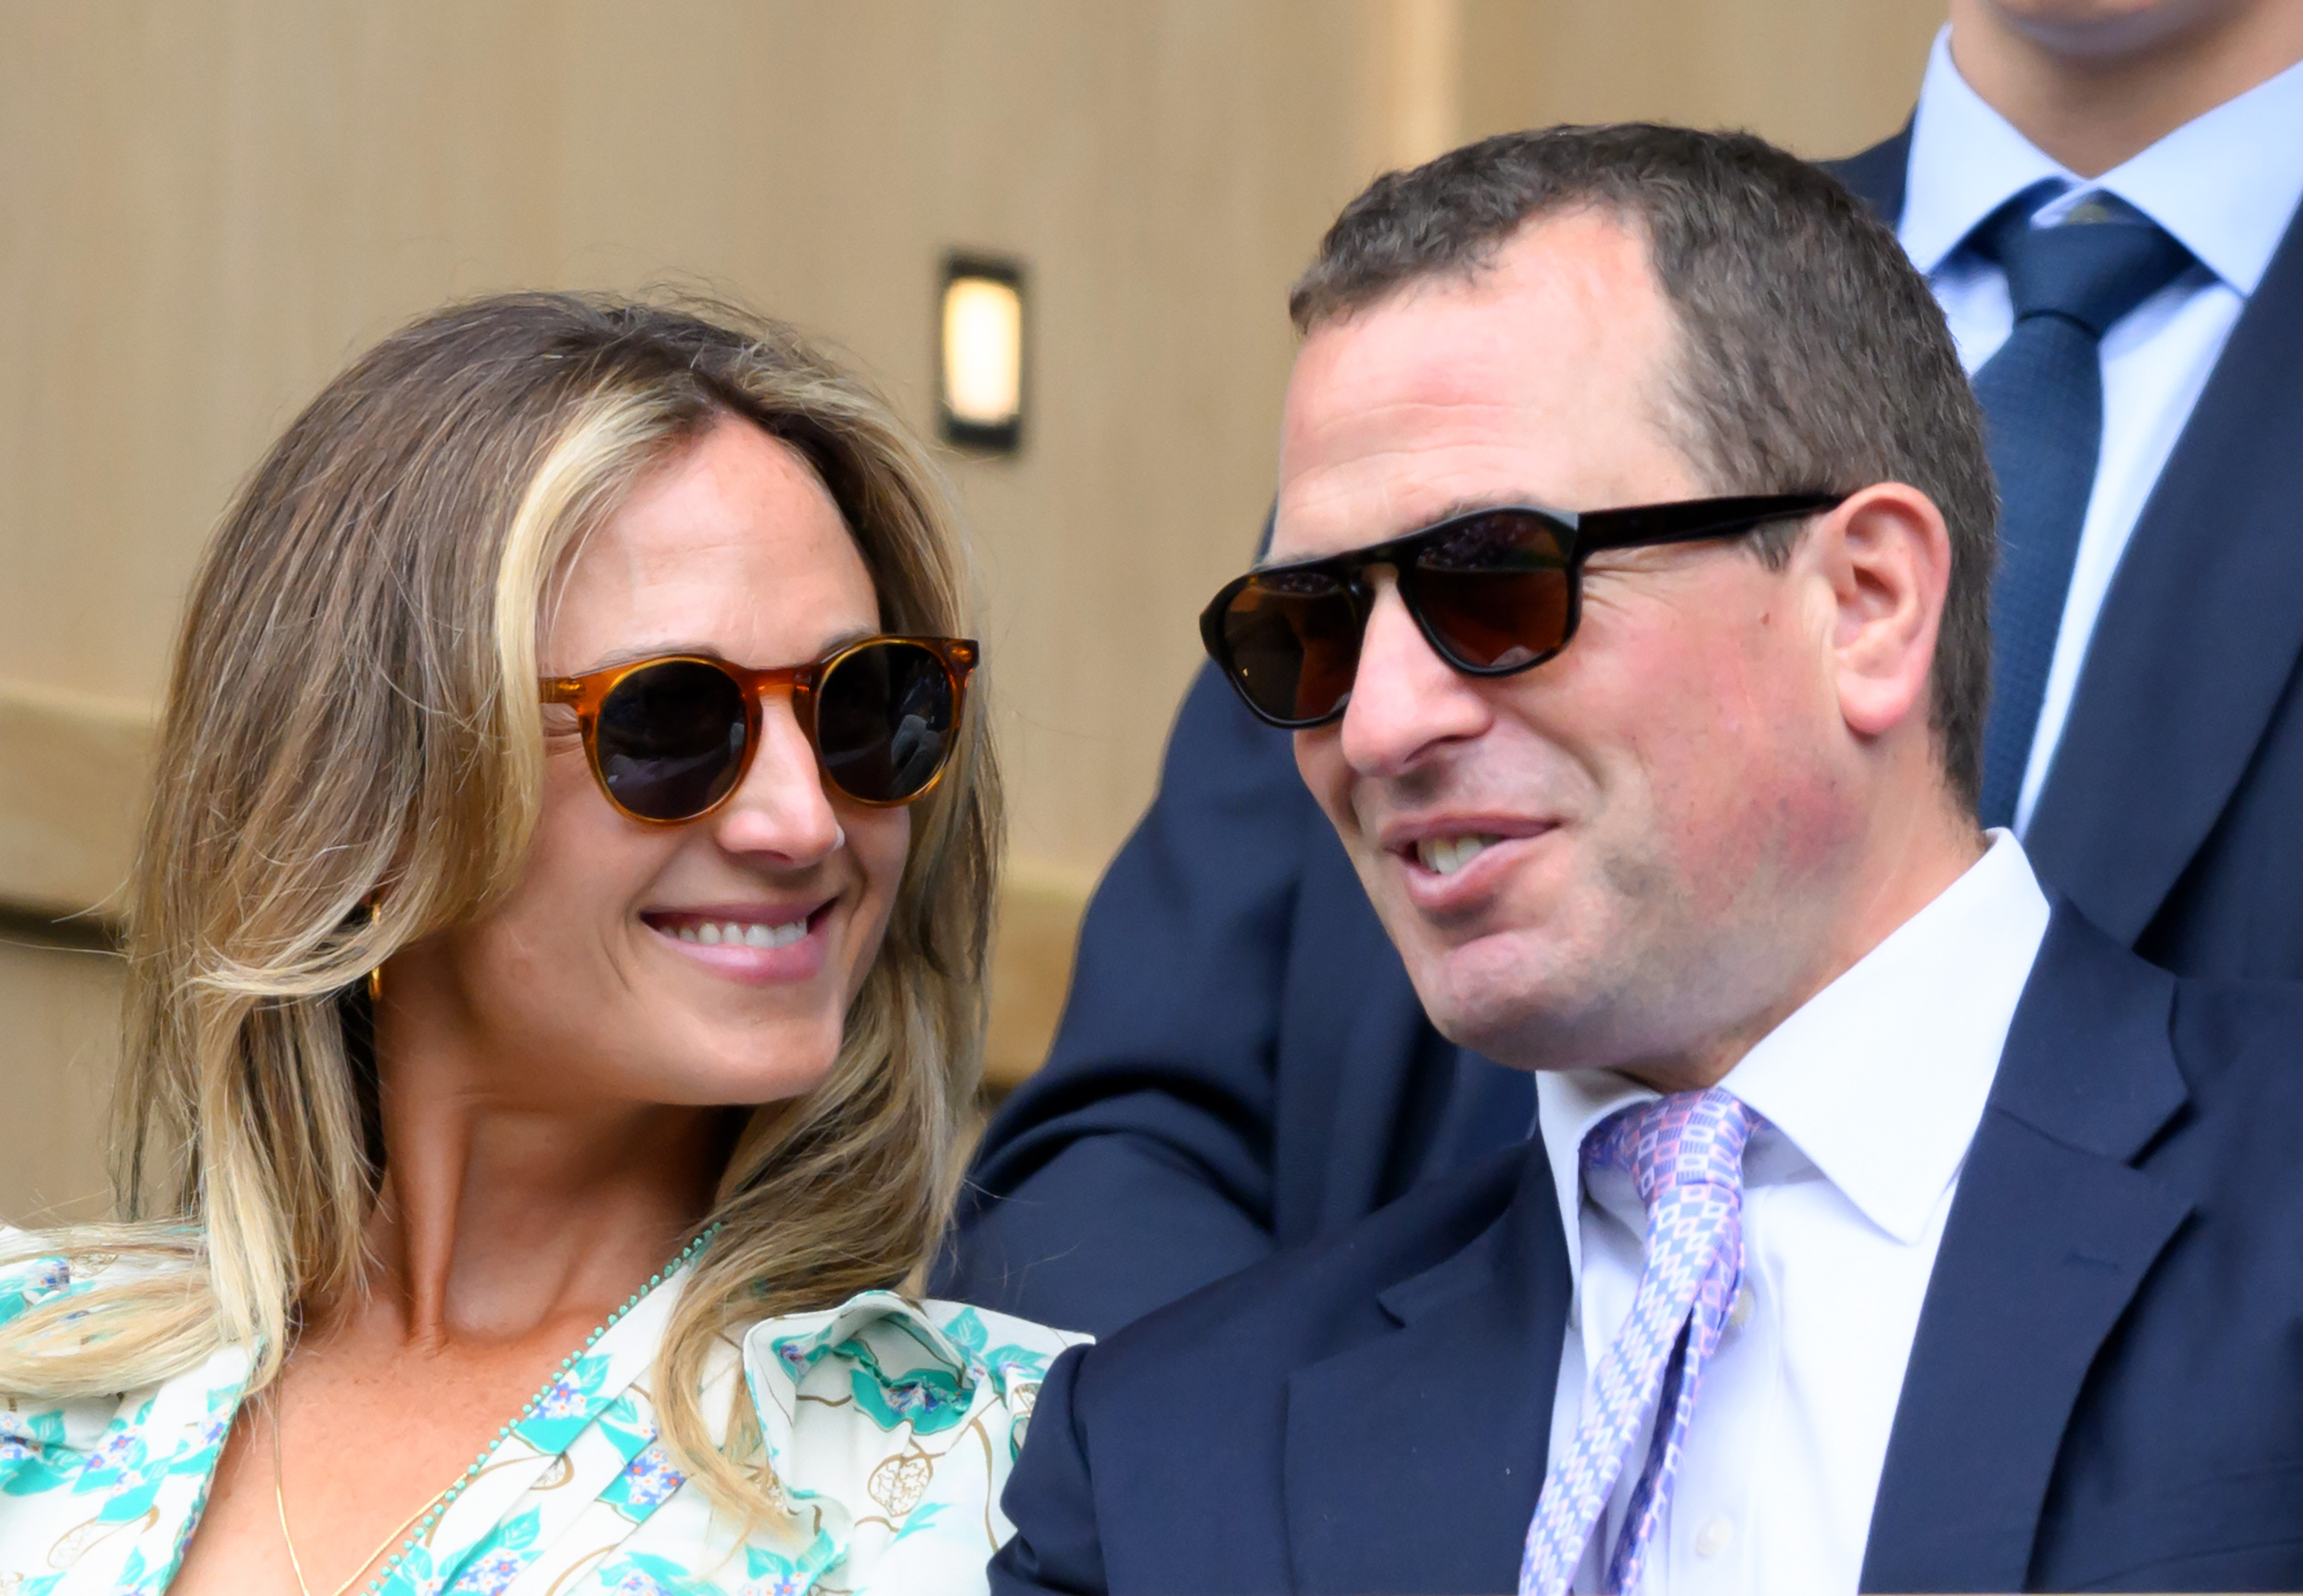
(670, 738)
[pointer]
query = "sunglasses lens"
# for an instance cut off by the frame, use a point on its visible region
(1496, 592)
(1291, 640)
(884, 719)
(669, 739)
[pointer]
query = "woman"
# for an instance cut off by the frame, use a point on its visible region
(556, 965)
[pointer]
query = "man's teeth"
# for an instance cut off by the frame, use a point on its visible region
(713, 934)
(1444, 855)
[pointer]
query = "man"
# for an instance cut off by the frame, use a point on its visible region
(1169, 1142)
(1888, 1226)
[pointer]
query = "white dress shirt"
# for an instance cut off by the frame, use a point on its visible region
(2225, 185)
(1872, 1091)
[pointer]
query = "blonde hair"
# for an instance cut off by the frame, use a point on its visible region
(353, 719)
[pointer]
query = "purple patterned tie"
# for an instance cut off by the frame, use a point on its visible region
(1685, 1154)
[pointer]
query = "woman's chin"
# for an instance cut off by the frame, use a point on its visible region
(763, 1064)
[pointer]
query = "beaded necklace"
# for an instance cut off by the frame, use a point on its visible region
(429, 1513)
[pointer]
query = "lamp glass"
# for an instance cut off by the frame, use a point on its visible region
(982, 351)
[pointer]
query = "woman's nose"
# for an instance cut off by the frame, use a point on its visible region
(782, 811)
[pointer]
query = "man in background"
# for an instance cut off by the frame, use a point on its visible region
(1243, 1065)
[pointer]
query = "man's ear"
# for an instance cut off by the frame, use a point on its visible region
(1886, 556)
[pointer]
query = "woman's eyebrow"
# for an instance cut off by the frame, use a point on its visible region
(648, 650)
(657, 651)
(840, 640)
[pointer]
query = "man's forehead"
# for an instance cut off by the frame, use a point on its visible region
(1533, 381)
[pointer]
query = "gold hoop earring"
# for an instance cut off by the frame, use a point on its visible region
(375, 976)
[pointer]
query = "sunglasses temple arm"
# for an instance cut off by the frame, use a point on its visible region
(1643, 529)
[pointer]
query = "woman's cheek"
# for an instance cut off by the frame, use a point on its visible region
(881, 840)
(586, 870)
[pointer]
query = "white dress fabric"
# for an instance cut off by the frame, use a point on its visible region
(890, 1426)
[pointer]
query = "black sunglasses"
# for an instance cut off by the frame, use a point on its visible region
(1494, 592)
(670, 738)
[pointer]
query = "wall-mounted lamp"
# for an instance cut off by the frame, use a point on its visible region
(980, 363)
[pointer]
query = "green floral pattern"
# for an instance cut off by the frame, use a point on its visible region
(891, 1425)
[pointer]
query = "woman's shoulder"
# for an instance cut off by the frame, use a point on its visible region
(906, 1363)
(897, 1420)
(902, 1339)
(37, 1267)
(33, 1271)
(141, 1455)
(71, 1270)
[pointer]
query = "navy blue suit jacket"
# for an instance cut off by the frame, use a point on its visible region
(1243, 1064)
(2106, 1390)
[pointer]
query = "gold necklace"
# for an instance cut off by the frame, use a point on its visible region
(280, 1501)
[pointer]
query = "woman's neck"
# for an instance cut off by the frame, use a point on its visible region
(501, 1215)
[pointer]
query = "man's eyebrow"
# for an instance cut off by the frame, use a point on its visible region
(1452, 510)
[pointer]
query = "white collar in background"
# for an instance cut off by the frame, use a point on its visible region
(2225, 184)
(1879, 1079)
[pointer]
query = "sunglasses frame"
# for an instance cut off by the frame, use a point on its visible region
(1581, 534)
(959, 657)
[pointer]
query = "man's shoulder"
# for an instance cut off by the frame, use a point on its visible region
(1204, 1447)
(1877, 175)
(2239, 1043)
(2220, 1027)
(2107, 1045)
(1312, 1301)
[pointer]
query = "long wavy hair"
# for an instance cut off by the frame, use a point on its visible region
(353, 720)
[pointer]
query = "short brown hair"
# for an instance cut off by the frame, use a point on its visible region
(1814, 358)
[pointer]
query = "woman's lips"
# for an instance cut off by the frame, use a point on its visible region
(757, 946)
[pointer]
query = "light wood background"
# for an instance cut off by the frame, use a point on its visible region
(207, 207)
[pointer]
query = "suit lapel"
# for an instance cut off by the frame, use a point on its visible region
(2200, 634)
(2050, 1235)
(1413, 1460)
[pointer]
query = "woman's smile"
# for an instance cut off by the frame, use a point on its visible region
(755, 943)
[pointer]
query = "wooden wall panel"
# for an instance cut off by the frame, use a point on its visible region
(219, 205)
(58, 1008)
(214, 206)
(1820, 76)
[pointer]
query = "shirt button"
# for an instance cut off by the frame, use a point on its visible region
(1712, 1539)
(1739, 1312)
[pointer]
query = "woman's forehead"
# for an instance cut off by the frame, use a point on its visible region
(734, 545)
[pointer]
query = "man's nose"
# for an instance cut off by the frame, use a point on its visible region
(781, 813)
(1406, 698)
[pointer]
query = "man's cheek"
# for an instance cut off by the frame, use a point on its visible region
(1320, 761)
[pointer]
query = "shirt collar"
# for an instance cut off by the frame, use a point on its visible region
(1879, 1079)
(2225, 184)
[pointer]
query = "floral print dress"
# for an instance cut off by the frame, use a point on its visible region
(890, 1425)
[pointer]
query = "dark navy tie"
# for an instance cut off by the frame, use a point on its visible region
(2042, 396)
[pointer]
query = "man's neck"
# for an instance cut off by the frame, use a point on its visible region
(2095, 95)
(1916, 852)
